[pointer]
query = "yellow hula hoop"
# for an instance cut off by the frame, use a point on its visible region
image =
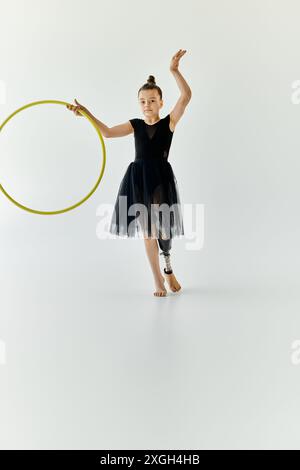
(98, 180)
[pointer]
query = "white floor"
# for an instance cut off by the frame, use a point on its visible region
(94, 360)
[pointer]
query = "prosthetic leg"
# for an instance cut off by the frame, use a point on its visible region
(165, 246)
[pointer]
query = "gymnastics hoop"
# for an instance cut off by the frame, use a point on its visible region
(98, 180)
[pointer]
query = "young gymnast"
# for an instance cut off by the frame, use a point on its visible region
(149, 185)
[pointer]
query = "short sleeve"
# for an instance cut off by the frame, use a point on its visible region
(167, 120)
(134, 123)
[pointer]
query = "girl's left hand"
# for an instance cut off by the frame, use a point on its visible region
(175, 59)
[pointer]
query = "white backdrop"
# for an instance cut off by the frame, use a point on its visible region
(89, 357)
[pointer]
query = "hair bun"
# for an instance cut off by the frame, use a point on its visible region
(151, 79)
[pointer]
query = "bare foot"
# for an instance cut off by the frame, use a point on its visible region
(161, 291)
(172, 281)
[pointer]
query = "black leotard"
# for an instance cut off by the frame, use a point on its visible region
(149, 180)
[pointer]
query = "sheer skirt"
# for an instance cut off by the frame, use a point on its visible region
(148, 202)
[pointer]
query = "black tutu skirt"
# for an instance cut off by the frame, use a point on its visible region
(148, 203)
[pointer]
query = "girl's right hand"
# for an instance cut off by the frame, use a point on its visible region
(175, 59)
(77, 108)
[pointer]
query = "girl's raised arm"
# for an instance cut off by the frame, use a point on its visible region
(186, 92)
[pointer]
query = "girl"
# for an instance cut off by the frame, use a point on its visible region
(149, 185)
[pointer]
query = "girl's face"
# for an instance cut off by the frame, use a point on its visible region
(150, 102)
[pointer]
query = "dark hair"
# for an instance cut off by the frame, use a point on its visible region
(151, 85)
